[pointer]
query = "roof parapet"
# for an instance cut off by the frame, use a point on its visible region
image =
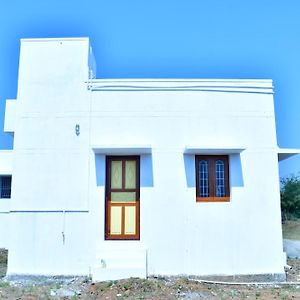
(215, 85)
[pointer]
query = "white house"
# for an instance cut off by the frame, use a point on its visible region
(134, 177)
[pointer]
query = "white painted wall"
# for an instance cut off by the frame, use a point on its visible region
(57, 209)
(182, 236)
(6, 162)
(10, 115)
(51, 162)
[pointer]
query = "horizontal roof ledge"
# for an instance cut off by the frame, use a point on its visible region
(213, 85)
(59, 39)
(122, 149)
(212, 150)
(284, 153)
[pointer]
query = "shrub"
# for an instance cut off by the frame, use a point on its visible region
(290, 197)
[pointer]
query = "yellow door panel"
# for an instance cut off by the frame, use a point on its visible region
(116, 220)
(130, 219)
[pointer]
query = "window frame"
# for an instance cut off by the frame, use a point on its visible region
(212, 178)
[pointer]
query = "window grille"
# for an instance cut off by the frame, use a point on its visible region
(220, 179)
(5, 186)
(203, 178)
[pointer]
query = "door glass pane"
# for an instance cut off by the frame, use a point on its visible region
(115, 219)
(130, 219)
(203, 178)
(123, 197)
(220, 178)
(130, 174)
(116, 174)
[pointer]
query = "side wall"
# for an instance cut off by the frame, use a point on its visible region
(49, 209)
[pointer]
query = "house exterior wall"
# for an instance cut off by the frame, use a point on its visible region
(57, 214)
(181, 235)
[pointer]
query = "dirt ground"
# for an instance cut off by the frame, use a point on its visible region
(153, 288)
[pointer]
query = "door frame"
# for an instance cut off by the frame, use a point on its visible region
(108, 204)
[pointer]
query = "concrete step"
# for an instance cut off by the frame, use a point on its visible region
(119, 261)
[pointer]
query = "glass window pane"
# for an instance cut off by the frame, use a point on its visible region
(116, 174)
(203, 179)
(220, 178)
(130, 174)
(123, 197)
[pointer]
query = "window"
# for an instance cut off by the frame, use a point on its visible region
(212, 178)
(122, 198)
(5, 186)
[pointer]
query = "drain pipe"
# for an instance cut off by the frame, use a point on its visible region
(63, 229)
(246, 283)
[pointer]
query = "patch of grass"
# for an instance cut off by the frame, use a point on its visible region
(4, 284)
(111, 283)
(3, 262)
(291, 230)
(3, 256)
(284, 295)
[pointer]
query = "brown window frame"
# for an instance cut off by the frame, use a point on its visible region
(212, 178)
(108, 191)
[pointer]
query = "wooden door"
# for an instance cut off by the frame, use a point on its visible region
(122, 198)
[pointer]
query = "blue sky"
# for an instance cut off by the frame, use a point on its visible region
(175, 39)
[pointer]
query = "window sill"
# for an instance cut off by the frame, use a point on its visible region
(212, 199)
(122, 237)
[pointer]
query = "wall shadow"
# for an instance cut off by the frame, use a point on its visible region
(235, 173)
(146, 170)
(189, 166)
(100, 169)
(146, 176)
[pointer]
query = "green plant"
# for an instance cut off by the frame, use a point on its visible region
(4, 284)
(290, 197)
(284, 295)
(111, 283)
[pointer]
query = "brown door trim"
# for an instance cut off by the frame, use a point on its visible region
(109, 204)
